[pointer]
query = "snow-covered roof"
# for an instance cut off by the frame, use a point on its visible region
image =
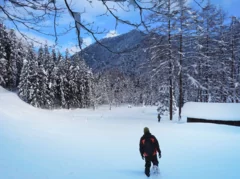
(212, 111)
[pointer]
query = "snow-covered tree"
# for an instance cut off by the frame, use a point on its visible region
(27, 75)
(234, 62)
(11, 57)
(3, 58)
(164, 54)
(3, 71)
(185, 25)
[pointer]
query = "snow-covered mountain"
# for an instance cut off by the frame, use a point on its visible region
(129, 53)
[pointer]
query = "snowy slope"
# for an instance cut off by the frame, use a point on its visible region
(103, 144)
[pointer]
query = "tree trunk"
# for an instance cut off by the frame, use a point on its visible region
(170, 63)
(180, 72)
(233, 91)
(180, 79)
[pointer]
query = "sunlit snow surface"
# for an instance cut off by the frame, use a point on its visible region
(104, 144)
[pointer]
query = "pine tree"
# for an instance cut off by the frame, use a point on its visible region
(3, 61)
(72, 77)
(3, 71)
(63, 80)
(53, 78)
(26, 78)
(21, 51)
(48, 77)
(3, 56)
(34, 92)
(11, 57)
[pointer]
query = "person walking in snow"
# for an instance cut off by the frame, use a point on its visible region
(159, 117)
(149, 147)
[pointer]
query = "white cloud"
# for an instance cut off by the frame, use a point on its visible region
(87, 41)
(74, 48)
(89, 10)
(111, 33)
(35, 39)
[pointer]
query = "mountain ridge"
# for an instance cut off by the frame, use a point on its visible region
(129, 48)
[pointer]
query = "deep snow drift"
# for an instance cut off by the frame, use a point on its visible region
(104, 144)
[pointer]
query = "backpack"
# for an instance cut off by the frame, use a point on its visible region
(148, 146)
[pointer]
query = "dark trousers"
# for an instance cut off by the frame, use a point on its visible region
(150, 159)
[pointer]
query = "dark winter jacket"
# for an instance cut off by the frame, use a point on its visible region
(144, 150)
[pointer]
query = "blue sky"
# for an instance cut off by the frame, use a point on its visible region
(92, 15)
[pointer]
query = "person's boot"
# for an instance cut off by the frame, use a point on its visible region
(147, 171)
(155, 169)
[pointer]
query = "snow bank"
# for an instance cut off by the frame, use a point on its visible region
(2, 90)
(212, 111)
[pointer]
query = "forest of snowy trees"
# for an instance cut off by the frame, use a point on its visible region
(197, 56)
(42, 78)
(194, 56)
(45, 78)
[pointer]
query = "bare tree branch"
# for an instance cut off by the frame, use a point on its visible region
(32, 14)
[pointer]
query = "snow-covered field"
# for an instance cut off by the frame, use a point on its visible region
(104, 144)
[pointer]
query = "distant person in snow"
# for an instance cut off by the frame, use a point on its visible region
(148, 148)
(159, 117)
